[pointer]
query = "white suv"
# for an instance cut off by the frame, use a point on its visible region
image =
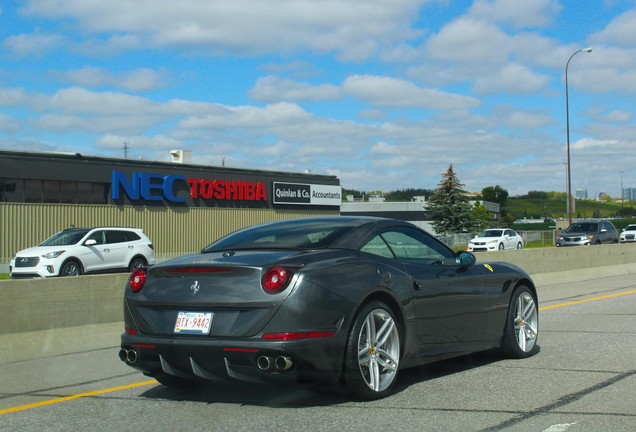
(77, 251)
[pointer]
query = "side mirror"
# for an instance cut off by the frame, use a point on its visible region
(90, 242)
(465, 258)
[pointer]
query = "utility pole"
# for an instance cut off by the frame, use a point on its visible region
(126, 150)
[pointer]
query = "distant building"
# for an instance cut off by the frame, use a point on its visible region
(415, 211)
(581, 193)
(629, 194)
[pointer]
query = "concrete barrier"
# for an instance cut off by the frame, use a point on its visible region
(551, 266)
(43, 304)
(40, 304)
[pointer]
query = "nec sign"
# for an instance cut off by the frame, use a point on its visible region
(157, 187)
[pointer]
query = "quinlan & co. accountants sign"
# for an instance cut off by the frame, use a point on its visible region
(308, 194)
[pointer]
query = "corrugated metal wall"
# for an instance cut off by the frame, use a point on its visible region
(173, 231)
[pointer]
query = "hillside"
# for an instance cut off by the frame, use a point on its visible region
(539, 208)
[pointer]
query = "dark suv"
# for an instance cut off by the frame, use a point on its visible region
(588, 232)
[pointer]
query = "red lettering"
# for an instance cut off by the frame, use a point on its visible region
(227, 189)
(232, 190)
(219, 190)
(194, 183)
(206, 189)
(260, 192)
(249, 191)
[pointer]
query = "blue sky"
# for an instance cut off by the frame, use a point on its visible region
(385, 95)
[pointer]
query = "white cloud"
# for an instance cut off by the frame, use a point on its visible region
(515, 13)
(7, 124)
(274, 89)
(468, 40)
(392, 92)
(135, 80)
(351, 28)
(36, 45)
(620, 31)
(593, 143)
(137, 142)
(512, 79)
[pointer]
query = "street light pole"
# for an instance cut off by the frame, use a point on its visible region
(567, 122)
(622, 193)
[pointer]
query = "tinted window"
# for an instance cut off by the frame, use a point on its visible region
(413, 245)
(378, 246)
(131, 236)
(98, 236)
(301, 234)
(65, 238)
(115, 237)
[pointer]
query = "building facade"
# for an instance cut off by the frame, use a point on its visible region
(181, 207)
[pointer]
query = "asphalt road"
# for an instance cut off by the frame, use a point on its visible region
(583, 379)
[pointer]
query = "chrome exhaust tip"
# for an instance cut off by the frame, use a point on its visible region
(123, 354)
(265, 363)
(131, 356)
(284, 363)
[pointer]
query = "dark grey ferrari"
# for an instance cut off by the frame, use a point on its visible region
(351, 299)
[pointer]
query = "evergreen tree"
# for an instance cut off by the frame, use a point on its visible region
(448, 206)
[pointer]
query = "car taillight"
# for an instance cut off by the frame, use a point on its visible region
(137, 279)
(276, 279)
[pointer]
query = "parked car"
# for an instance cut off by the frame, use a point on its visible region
(628, 234)
(77, 251)
(495, 239)
(355, 299)
(585, 233)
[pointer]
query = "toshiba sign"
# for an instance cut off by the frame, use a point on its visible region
(156, 187)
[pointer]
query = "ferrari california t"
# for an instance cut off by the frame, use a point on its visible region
(330, 299)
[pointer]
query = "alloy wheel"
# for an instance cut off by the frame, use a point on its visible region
(378, 350)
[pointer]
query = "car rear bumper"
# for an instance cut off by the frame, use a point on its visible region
(251, 360)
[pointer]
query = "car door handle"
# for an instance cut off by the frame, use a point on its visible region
(106, 250)
(417, 286)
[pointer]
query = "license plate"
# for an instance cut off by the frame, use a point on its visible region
(193, 323)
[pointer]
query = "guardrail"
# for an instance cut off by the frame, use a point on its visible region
(43, 304)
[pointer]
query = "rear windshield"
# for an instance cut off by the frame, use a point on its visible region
(283, 235)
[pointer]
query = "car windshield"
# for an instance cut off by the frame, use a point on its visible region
(302, 234)
(582, 227)
(630, 227)
(491, 233)
(65, 238)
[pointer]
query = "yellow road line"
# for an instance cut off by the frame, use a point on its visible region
(570, 303)
(76, 396)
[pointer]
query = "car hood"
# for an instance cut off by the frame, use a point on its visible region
(484, 239)
(577, 233)
(41, 250)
